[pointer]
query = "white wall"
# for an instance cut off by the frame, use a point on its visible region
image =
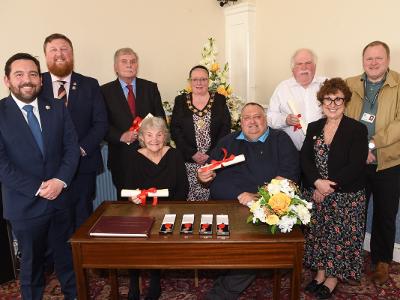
(167, 35)
(336, 30)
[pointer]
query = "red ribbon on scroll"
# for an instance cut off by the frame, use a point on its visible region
(136, 124)
(297, 126)
(215, 163)
(143, 195)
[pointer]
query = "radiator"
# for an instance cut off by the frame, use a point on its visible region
(105, 189)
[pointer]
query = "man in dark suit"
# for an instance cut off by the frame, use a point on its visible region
(38, 158)
(126, 98)
(85, 104)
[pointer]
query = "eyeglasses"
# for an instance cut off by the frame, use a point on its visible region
(328, 101)
(199, 80)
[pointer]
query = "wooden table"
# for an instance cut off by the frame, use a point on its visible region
(247, 247)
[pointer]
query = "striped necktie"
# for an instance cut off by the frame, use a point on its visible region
(62, 93)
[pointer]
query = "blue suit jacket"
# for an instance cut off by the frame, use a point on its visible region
(23, 167)
(88, 113)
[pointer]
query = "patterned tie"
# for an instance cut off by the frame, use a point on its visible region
(34, 125)
(131, 100)
(62, 93)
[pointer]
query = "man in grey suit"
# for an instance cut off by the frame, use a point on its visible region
(39, 154)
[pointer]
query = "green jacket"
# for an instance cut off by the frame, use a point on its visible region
(387, 122)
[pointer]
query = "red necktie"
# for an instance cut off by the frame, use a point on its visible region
(131, 100)
(62, 93)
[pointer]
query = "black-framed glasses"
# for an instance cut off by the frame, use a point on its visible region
(328, 101)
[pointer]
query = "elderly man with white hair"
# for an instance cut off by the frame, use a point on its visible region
(294, 100)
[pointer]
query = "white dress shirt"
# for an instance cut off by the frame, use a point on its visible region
(305, 101)
(56, 84)
(35, 110)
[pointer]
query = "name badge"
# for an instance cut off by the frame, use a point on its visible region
(368, 118)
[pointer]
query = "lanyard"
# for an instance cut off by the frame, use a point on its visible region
(377, 92)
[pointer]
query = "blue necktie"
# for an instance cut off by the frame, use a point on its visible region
(34, 125)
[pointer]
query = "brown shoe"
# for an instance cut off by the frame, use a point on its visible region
(381, 273)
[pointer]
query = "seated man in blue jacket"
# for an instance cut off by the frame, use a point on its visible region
(269, 154)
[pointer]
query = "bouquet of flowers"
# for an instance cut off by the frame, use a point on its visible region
(218, 83)
(280, 206)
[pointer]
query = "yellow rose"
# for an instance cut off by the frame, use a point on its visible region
(188, 89)
(229, 90)
(272, 220)
(221, 90)
(279, 203)
(214, 67)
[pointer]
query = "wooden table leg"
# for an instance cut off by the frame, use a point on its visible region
(80, 274)
(296, 273)
(114, 284)
(277, 284)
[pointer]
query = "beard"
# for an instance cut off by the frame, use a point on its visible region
(24, 96)
(61, 70)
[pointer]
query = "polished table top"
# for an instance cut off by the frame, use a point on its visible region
(240, 230)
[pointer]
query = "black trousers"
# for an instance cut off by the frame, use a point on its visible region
(231, 285)
(154, 289)
(384, 186)
(81, 193)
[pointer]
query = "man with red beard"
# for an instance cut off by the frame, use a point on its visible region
(295, 99)
(39, 154)
(86, 106)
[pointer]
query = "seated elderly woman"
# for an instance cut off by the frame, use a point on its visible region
(333, 159)
(160, 166)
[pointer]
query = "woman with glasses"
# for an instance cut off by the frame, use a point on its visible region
(199, 120)
(333, 158)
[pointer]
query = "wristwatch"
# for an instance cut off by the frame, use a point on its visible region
(371, 145)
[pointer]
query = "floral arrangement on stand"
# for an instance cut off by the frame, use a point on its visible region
(218, 83)
(279, 206)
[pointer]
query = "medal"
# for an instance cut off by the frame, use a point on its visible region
(200, 123)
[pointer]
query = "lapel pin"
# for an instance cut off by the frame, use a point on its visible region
(74, 85)
(47, 107)
(314, 137)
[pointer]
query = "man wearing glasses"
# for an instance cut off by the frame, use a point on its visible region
(294, 100)
(376, 103)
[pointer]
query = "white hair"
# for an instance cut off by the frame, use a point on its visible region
(313, 55)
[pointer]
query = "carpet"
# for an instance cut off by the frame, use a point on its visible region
(179, 285)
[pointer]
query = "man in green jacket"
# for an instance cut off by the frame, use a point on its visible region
(376, 103)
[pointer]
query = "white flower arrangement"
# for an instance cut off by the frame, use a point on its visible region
(280, 206)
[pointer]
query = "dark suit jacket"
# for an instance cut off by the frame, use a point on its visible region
(23, 167)
(120, 119)
(88, 112)
(347, 155)
(182, 126)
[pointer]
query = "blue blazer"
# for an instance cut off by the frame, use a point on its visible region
(88, 113)
(23, 167)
